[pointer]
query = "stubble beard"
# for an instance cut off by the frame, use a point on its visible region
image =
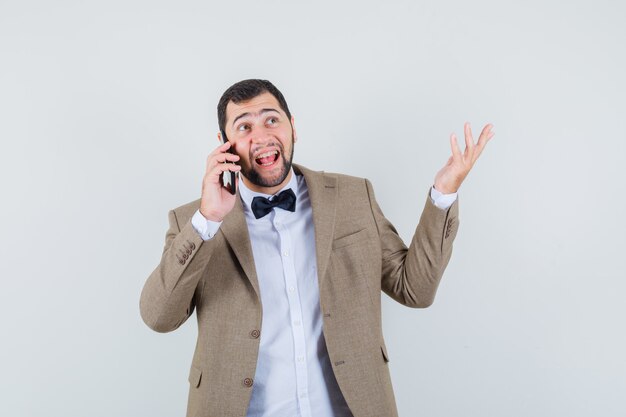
(254, 176)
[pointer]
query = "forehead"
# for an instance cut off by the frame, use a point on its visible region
(262, 101)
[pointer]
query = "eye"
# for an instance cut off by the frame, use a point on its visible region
(272, 120)
(242, 127)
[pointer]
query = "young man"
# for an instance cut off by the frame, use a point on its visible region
(286, 274)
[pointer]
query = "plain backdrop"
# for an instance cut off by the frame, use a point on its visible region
(107, 114)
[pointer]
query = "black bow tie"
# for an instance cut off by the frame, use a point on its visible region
(286, 200)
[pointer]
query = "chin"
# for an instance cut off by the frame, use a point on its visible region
(264, 177)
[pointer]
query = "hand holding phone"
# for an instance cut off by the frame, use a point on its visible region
(218, 198)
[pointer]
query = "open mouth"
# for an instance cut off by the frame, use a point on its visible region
(267, 159)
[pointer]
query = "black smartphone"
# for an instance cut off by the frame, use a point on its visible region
(228, 177)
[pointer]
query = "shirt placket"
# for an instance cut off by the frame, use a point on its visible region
(295, 312)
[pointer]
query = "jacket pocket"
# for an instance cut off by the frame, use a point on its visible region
(195, 375)
(350, 239)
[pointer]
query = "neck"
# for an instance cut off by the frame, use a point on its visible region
(267, 190)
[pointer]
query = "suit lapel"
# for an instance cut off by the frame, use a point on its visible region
(235, 230)
(323, 194)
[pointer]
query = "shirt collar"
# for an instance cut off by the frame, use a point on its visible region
(247, 194)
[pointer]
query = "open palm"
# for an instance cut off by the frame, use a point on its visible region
(451, 176)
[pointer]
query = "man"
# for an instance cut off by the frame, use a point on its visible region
(285, 275)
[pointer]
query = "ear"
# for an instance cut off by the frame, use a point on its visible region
(219, 137)
(293, 127)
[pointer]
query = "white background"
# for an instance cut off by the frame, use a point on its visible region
(107, 113)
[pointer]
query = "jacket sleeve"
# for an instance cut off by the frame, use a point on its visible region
(167, 298)
(411, 276)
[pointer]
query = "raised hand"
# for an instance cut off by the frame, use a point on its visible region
(216, 200)
(451, 176)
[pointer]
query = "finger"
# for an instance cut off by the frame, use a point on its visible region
(221, 149)
(215, 174)
(469, 141)
(485, 135)
(456, 152)
(221, 158)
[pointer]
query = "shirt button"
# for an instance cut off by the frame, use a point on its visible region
(300, 358)
(292, 289)
(285, 253)
(248, 382)
(297, 322)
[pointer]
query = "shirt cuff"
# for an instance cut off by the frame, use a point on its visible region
(205, 228)
(440, 200)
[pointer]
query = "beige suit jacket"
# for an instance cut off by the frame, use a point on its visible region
(359, 253)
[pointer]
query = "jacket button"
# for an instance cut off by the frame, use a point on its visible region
(193, 246)
(181, 261)
(255, 333)
(185, 256)
(188, 251)
(248, 382)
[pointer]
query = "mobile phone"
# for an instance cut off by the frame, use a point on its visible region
(228, 177)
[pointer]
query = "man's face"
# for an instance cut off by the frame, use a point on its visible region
(263, 137)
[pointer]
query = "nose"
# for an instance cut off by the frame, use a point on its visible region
(260, 135)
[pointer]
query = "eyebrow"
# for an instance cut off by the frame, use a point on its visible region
(248, 114)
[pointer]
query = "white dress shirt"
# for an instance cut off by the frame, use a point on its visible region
(294, 376)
